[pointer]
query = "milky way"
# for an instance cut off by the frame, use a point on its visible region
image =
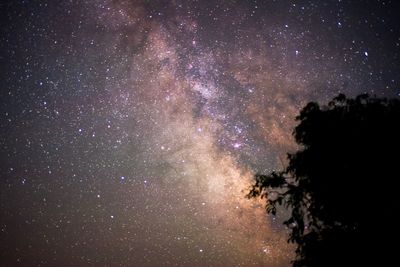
(131, 130)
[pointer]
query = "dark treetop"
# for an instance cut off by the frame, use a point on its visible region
(340, 186)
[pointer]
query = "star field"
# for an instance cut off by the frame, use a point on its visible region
(130, 130)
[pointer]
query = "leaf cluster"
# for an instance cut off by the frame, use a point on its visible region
(341, 185)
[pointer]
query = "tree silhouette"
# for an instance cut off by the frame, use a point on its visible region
(341, 185)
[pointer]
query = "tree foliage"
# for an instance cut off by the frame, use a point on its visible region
(341, 185)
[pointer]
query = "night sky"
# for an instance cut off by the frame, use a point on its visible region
(130, 130)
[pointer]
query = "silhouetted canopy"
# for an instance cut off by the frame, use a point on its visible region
(341, 185)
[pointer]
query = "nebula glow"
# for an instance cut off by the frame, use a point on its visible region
(131, 130)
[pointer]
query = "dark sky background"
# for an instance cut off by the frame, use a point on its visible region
(130, 130)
